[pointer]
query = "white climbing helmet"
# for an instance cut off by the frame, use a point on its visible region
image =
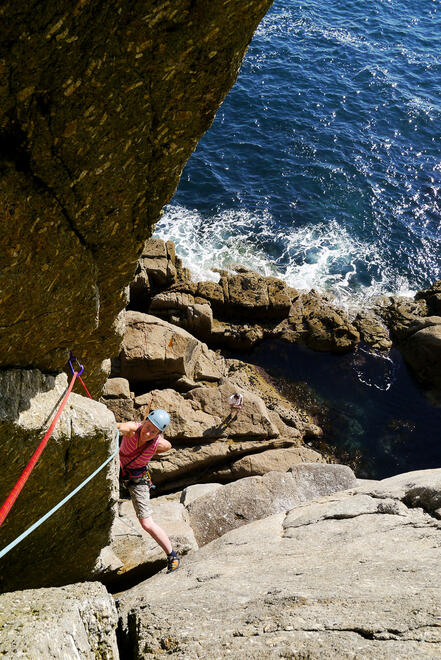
(159, 418)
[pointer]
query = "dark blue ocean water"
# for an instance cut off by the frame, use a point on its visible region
(323, 165)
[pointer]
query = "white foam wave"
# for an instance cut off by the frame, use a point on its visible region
(325, 257)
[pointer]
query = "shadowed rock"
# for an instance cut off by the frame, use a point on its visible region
(65, 548)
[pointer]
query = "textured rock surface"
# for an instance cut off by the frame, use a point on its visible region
(207, 440)
(154, 350)
(274, 460)
(192, 493)
(66, 547)
(258, 497)
(197, 463)
(351, 576)
(101, 106)
(77, 621)
(244, 307)
(314, 321)
(372, 330)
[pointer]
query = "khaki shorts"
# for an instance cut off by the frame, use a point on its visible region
(140, 496)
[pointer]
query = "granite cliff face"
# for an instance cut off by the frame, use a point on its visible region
(101, 104)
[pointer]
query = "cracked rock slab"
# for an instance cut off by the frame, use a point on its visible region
(252, 498)
(358, 587)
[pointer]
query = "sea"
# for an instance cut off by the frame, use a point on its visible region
(323, 167)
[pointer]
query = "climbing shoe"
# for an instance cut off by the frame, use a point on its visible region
(173, 562)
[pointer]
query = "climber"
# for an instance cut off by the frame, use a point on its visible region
(236, 402)
(140, 442)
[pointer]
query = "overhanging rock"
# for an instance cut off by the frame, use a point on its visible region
(101, 105)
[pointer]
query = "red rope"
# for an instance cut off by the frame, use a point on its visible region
(15, 492)
(83, 384)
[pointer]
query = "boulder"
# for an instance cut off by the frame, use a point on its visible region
(372, 330)
(156, 269)
(116, 388)
(253, 498)
(183, 309)
(432, 296)
(421, 488)
(66, 547)
(192, 493)
(348, 576)
(400, 313)
(274, 460)
(314, 321)
(250, 295)
(187, 465)
(154, 350)
(422, 351)
(123, 409)
(237, 336)
(188, 421)
(252, 421)
(76, 621)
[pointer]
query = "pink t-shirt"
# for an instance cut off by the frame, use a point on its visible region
(129, 449)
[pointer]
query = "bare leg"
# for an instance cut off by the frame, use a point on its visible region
(157, 533)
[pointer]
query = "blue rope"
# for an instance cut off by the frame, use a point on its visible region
(59, 505)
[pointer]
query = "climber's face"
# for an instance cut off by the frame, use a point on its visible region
(149, 431)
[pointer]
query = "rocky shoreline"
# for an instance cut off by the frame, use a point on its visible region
(227, 477)
(285, 552)
(244, 308)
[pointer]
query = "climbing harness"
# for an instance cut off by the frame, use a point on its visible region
(10, 500)
(136, 476)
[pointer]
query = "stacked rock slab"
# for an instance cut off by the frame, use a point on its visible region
(243, 308)
(207, 511)
(101, 106)
(208, 439)
(66, 547)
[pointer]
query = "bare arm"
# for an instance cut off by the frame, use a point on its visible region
(127, 428)
(162, 446)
